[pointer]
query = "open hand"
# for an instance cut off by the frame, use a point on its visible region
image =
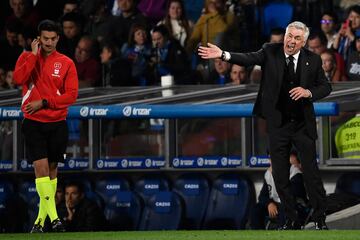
(299, 92)
(33, 106)
(212, 51)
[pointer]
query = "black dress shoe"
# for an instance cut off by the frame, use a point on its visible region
(321, 225)
(291, 225)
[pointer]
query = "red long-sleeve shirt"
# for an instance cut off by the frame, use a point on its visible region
(53, 78)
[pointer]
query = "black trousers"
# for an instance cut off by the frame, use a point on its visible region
(281, 140)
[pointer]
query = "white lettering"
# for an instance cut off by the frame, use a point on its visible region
(191, 186)
(151, 186)
(355, 68)
(11, 113)
(98, 111)
(230, 185)
(113, 187)
(141, 111)
(162, 204)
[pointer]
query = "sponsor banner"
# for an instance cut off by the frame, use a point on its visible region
(259, 161)
(68, 165)
(6, 165)
(10, 113)
(130, 163)
(207, 162)
(164, 111)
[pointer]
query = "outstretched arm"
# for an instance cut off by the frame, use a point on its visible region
(212, 51)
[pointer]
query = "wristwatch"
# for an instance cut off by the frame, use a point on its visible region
(45, 103)
(223, 56)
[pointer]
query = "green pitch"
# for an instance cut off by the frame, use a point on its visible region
(194, 235)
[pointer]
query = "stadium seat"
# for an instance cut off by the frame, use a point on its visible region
(162, 211)
(194, 191)
(123, 211)
(108, 187)
(348, 183)
(148, 186)
(6, 190)
(230, 199)
(27, 191)
(276, 14)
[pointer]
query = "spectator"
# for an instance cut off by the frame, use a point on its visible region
(168, 57)
(221, 74)
(329, 22)
(353, 64)
(10, 80)
(82, 214)
(344, 42)
(25, 37)
(329, 65)
(120, 26)
(87, 66)
(115, 70)
(176, 21)
(24, 12)
(317, 43)
(239, 75)
(72, 32)
(70, 6)
(268, 213)
(9, 48)
(3, 75)
(154, 10)
(137, 52)
(210, 27)
(98, 25)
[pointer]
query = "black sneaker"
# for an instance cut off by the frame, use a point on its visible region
(57, 226)
(37, 228)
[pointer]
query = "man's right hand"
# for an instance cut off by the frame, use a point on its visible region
(212, 51)
(273, 210)
(35, 46)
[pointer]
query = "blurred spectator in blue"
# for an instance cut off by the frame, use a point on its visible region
(178, 25)
(221, 73)
(9, 48)
(87, 65)
(120, 26)
(353, 63)
(344, 42)
(329, 24)
(72, 25)
(98, 24)
(23, 10)
(168, 57)
(115, 70)
(137, 52)
(239, 75)
(83, 215)
(154, 10)
(329, 65)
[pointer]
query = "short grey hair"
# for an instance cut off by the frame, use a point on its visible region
(300, 26)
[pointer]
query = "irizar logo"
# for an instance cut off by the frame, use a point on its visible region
(224, 161)
(176, 162)
(100, 164)
(148, 162)
(124, 163)
(253, 160)
(86, 111)
(71, 163)
(128, 111)
(10, 113)
(200, 162)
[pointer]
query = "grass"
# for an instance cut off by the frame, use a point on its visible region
(194, 235)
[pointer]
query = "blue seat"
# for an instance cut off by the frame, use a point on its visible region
(123, 211)
(162, 211)
(348, 183)
(6, 192)
(276, 14)
(148, 186)
(108, 187)
(194, 190)
(27, 190)
(230, 200)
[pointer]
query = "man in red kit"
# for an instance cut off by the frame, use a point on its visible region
(50, 86)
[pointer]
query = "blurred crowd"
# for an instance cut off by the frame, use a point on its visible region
(136, 42)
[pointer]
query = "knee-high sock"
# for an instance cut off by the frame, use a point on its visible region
(46, 193)
(42, 214)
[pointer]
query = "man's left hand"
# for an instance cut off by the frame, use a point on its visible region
(33, 106)
(299, 92)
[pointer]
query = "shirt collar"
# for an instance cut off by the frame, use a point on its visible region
(296, 56)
